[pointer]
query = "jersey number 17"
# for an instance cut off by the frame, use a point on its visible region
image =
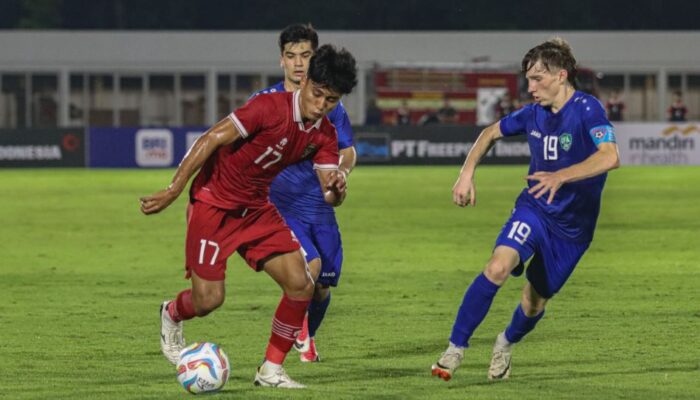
(275, 156)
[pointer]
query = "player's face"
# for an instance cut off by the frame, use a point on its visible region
(295, 60)
(316, 100)
(544, 85)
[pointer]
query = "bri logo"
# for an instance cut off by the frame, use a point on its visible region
(154, 148)
(536, 134)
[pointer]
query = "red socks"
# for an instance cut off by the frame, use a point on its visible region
(286, 326)
(182, 308)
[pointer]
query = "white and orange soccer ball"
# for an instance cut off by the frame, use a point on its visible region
(203, 367)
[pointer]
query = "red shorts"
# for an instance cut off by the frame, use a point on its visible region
(213, 234)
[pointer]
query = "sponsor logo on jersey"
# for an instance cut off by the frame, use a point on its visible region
(536, 134)
(565, 140)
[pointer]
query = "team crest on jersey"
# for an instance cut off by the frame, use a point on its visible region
(565, 140)
(310, 149)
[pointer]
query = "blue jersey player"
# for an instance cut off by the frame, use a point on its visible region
(572, 146)
(296, 193)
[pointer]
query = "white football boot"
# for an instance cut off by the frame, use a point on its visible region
(171, 340)
(448, 363)
(500, 360)
(277, 378)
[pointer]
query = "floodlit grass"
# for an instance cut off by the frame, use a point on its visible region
(83, 273)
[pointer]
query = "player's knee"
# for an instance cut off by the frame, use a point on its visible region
(497, 271)
(299, 284)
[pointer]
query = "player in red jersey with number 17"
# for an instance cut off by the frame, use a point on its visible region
(230, 211)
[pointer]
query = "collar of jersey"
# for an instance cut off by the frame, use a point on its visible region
(575, 98)
(296, 112)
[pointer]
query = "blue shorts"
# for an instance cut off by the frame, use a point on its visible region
(552, 258)
(320, 241)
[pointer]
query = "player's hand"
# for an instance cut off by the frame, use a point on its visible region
(464, 192)
(337, 184)
(158, 201)
(547, 182)
(335, 189)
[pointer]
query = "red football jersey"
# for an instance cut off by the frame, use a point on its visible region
(272, 137)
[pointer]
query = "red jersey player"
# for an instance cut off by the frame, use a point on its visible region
(229, 208)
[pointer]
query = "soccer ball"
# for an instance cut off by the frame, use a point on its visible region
(203, 367)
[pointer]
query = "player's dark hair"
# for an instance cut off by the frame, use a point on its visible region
(298, 33)
(334, 69)
(554, 54)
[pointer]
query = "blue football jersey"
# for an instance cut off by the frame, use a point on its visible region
(296, 191)
(559, 140)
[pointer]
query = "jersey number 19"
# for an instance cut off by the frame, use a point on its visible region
(551, 147)
(519, 232)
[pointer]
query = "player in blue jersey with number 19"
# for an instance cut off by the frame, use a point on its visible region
(572, 146)
(296, 193)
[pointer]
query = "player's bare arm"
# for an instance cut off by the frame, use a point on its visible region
(221, 134)
(333, 185)
(603, 160)
(348, 159)
(464, 191)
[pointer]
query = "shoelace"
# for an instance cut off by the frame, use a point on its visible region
(451, 359)
(500, 357)
(283, 377)
(176, 339)
(282, 374)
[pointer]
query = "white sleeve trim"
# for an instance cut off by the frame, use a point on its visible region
(325, 166)
(239, 125)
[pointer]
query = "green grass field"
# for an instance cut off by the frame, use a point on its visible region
(83, 273)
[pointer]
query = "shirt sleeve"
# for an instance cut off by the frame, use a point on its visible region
(249, 118)
(339, 119)
(515, 123)
(597, 124)
(327, 155)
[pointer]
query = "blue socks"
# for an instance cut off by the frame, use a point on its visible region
(317, 310)
(521, 325)
(475, 305)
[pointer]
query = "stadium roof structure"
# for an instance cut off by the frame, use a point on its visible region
(605, 51)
